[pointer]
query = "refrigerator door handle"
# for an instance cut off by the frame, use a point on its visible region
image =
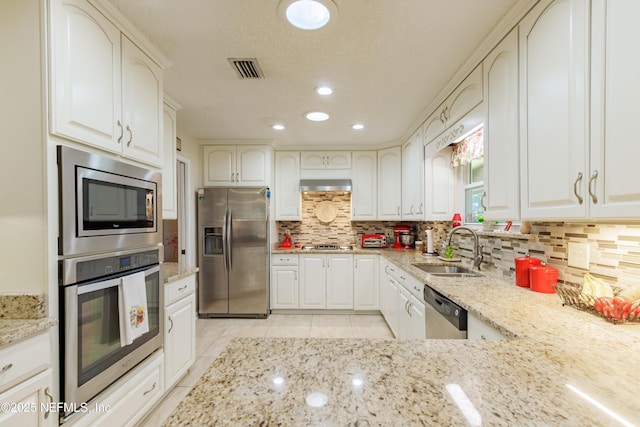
(225, 237)
(229, 238)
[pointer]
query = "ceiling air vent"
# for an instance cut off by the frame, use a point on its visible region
(247, 68)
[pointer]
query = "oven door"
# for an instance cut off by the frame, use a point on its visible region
(93, 356)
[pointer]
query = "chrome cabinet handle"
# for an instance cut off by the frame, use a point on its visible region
(121, 131)
(417, 288)
(411, 210)
(170, 327)
(420, 211)
(484, 207)
(575, 187)
(398, 210)
(406, 306)
(594, 176)
(237, 177)
(403, 278)
(130, 136)
(409, 309)
(182, 288)
(153, 387)
(50, 397)
(6, 367)
(232, 177)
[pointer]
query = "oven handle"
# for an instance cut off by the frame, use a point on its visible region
(92, 287)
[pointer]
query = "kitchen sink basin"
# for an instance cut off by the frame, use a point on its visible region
(447, 270)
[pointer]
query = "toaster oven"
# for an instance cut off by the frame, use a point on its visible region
(374, 241)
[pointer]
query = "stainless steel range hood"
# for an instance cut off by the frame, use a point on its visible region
(325, 185)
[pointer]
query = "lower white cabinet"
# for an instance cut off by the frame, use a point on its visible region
(27, 400)
(389, 295)
(401, 302)
(478, 330)
(366, 293)
(179, 329)
(284, 281)
(411, 317)
(326, 281)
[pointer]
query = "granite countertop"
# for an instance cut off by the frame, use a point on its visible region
(22, 316)
(175, 271)
(556, 356)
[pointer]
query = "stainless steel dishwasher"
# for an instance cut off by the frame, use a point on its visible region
(445, 319)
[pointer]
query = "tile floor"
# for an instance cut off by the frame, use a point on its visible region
(213, 335)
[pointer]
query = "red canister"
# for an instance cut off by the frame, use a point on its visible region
(522, 269)
(542, 277)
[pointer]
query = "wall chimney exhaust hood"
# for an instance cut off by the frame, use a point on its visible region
(325, 185)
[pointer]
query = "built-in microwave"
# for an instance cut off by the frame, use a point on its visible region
(106, 204)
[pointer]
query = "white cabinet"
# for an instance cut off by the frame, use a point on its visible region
(284, 282)
(554, 91)
(365, 189)
(439, 181)
(28, 399)
(326, 281)
(389, 296)
(169, 185)
(389, 183)
(413, 178)
(180, 329)
(612, 191)
(287, 186)
(325, 160)
(462, 100)
(366, 292)
(231, 166)
(478, 330)
(411, 316)
(105, 91)
(501, 170)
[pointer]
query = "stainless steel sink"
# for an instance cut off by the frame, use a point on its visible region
(447, 270)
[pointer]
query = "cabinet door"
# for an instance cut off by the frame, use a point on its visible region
(614, 97)
(404, 319)
(365, 283)
(142, 105)
(313, 160)
(86, 103)
(33, 394)
(169, 185)
(287, 186)
(284, 286)
(417, 321)
(390, 302)
(412, 178)
(439, 180)
(219, 165)
(553, 109)
(478, 330)
(365, 188)
(252, 168)
(312, 281)
(434, 125)
(180, 338)
(465, 97)
(340, 282)
(338, 160)
(389, 183)
(501, 171)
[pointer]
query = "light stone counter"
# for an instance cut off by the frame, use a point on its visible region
(533, 379)
(22, 316)
(175, 271)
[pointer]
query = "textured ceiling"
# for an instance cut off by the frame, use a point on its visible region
(386, 59)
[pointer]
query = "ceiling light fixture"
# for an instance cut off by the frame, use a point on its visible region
(324, 90)
(308, 14)
(316, 116)
(357, 126)
(278, 127)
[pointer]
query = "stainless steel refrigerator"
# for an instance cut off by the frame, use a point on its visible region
(233, 242)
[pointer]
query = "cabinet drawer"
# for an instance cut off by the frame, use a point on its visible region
(410, 283)
(284, 259)
(180, 289)
(23, 359)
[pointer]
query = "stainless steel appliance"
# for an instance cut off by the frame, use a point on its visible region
(91, 355)
(233, 239)
(445, 319)
(105, 204)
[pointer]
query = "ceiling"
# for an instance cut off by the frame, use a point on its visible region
(387, 61)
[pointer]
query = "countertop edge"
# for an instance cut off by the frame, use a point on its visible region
(14, 330)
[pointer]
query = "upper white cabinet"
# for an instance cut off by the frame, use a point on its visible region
(439, 180)
(461, 101)
(413, 178)
(326, 160)
(365, 189)
(501, 172)
(241, 166)
(287, 186)
(554, 91)
(611, 189)
(169, 186)
(105, 91)
(389, 183)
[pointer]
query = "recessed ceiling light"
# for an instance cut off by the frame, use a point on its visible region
(357, 126)
(316, 116)
(278, 127)
(324, 90)
(308, 14)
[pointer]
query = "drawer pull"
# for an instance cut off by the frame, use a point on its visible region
(6, 367)
(183, 288)
(50, 397)
(417, 288)
(153, 387)
(170, 327)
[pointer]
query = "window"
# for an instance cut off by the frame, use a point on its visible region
(473, 179)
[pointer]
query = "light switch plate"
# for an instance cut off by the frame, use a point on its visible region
(578, 255)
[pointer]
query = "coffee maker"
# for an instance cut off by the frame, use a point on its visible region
(403, 237)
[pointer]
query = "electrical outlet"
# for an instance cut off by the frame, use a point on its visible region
(578, 255)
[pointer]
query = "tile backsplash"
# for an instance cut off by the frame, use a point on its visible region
(614, 248)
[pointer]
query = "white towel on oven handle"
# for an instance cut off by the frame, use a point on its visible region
(132, 307)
